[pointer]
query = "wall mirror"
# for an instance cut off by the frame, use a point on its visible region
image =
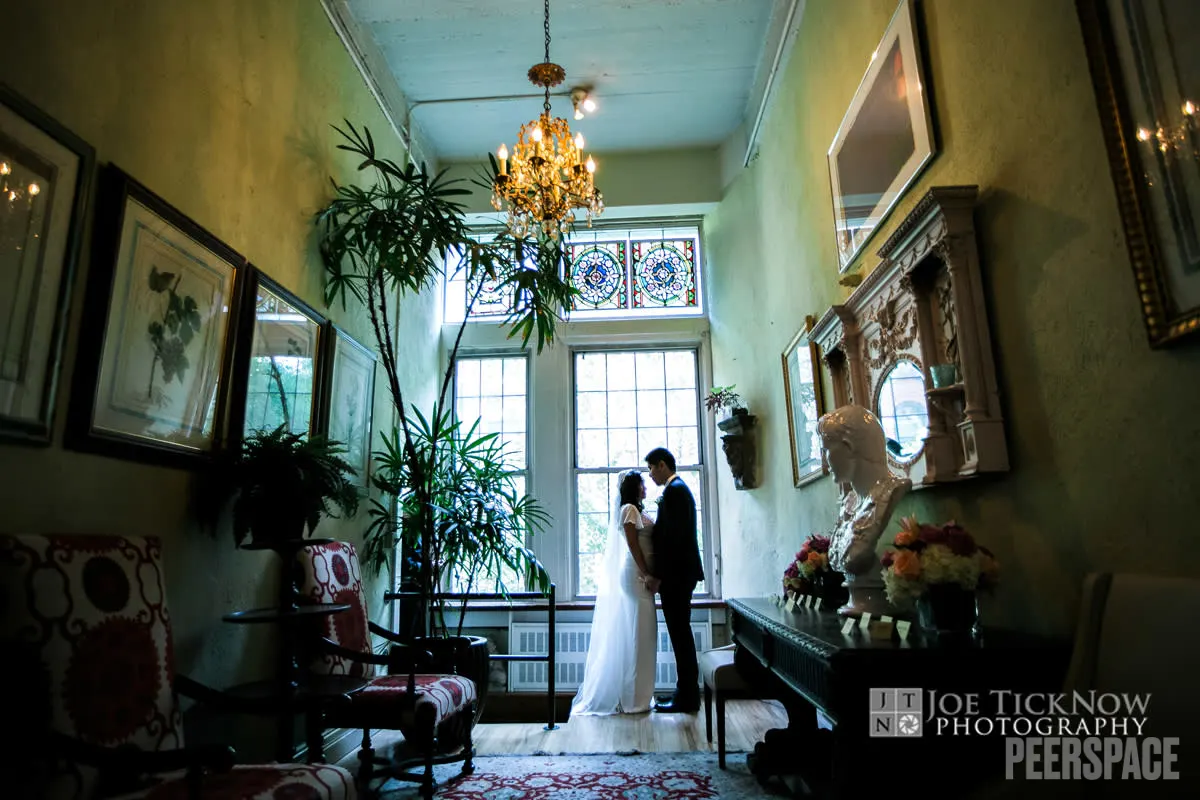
(281, 385)
(901, 408)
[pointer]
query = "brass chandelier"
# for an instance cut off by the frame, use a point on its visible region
(547, 177)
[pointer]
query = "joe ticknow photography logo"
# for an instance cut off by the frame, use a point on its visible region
(896, 712)
(1045, 736)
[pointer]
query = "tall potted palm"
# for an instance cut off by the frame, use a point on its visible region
(447, 499)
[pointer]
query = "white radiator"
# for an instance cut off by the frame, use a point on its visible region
(531, 638)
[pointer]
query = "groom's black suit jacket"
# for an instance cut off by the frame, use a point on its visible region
(676, 546)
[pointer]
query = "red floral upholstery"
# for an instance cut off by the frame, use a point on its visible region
(87, 617)
(270, 782)
(435, 718)
(331, 575)
(384, 701)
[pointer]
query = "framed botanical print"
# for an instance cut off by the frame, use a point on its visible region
(156, 345)
(45, 178)
(351, 399)
(885, 140)
(1147, 82)
(805, 405)
(280, 360)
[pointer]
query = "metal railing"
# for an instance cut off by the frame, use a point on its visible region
(550, 597)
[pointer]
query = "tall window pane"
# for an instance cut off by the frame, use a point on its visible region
(626, 404)
(491, 392)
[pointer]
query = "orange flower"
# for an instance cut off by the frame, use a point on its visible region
(905, 538)
(910, 525)
(907, 564)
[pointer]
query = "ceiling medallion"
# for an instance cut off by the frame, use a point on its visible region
(547, 177)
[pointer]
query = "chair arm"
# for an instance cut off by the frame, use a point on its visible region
(384, 633)
(406, 657)
(330, 647)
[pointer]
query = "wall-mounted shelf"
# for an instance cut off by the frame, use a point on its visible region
(922, 306)
(741, 452)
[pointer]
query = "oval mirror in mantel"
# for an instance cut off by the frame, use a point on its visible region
(900, 406)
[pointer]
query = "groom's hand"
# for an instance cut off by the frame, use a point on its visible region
(652, 583)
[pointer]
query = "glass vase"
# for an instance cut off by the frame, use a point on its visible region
(947, 609)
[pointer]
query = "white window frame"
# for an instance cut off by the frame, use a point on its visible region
(705, 455)
(550, 384)
(466, 424)
(550, 428)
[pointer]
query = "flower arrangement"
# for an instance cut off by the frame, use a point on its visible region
(926, 555)
(722, 397)
(810, 570)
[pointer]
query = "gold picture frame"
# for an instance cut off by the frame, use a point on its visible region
(885, 140)
(1149, 120)
(805, 405)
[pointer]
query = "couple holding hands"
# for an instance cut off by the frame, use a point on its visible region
(644, 557)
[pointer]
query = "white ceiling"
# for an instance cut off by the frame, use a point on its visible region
(666, 74)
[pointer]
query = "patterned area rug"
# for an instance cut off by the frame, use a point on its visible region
(661, 776)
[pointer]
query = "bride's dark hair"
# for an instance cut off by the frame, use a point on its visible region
(630, 489)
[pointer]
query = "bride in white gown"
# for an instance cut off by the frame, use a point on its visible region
(619, 675)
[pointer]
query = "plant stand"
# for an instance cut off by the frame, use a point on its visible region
(302, 693)
(741, 452)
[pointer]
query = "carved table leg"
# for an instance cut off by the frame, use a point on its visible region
(802, 748)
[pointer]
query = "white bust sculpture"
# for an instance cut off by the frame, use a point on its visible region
(855, 450)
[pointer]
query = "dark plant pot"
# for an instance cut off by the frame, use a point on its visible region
(461, 655)
(831, 591)
(276, 526)
(948, 610)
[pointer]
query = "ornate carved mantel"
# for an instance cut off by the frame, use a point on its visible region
(924, 305)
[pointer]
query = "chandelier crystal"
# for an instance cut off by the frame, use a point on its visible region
(547, 177)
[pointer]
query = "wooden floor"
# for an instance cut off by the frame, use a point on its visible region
(745, 723)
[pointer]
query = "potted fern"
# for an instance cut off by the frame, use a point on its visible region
(285, 483)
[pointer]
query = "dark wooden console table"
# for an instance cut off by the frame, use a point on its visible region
(809, 664)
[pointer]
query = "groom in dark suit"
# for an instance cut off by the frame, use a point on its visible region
(677, 570)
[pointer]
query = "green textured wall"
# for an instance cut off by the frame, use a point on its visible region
(1103, 434)
(224, 110)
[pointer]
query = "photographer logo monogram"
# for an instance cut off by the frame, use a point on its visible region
(1076, 736)
(896, 712)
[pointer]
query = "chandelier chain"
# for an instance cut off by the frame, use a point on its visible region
(546, 26)
(548, 175)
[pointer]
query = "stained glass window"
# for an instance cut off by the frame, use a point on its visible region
(493, 298)
(598, 272)
(664, 273)
(642, 272)
(626, 404)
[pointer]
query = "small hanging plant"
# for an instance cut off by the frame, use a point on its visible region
(723, 397)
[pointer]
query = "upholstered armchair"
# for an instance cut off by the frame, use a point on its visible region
(91, 683)
(433, 711)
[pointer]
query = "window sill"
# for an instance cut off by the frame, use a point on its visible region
(566, 605)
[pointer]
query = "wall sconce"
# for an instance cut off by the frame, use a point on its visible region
(581, 99)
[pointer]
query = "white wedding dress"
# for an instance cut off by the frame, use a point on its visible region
(618, 677)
